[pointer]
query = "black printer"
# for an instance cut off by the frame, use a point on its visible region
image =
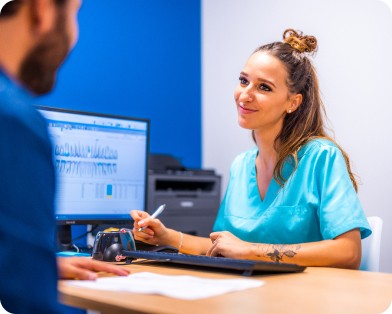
(192, 196)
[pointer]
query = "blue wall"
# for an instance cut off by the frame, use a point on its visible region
(139, 58)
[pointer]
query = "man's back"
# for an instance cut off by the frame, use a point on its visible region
(26, 206)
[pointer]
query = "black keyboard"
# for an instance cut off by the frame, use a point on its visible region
(247, 267)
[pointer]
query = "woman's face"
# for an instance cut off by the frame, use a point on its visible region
(262, 96)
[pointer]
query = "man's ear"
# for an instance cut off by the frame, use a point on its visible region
(294, 103)
(42, 15)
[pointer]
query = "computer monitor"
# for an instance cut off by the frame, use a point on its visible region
(101, 169)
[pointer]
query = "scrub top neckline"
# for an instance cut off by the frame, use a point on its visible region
(273, 186)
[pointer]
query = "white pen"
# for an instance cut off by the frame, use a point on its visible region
(155, 214)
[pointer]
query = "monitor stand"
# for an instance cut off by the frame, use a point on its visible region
(64, 238)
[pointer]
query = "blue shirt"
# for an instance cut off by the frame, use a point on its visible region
(317, 202)
(28, 269)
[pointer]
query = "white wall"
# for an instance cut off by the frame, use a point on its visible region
(354, 63)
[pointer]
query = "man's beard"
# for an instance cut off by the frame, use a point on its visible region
(38, 70)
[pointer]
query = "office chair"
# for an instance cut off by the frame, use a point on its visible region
(371, 246)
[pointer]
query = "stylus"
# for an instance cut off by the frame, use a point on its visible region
(155, 214)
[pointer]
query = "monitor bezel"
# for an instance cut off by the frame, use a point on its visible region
(99, 220)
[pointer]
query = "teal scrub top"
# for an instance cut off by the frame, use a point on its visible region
(317, 202)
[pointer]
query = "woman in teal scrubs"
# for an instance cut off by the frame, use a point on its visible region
(293, 197)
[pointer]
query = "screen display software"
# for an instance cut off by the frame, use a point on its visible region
(100, 163)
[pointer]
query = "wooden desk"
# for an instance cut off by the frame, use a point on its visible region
(317, 290)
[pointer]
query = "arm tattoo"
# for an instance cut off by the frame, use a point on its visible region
(276, 252)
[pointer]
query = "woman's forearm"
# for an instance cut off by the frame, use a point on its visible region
(344, 252)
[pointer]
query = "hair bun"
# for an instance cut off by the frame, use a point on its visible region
(300, 42)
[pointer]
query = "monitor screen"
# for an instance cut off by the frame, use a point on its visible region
(101, 165)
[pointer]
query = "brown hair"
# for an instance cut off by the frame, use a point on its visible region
(307, 122)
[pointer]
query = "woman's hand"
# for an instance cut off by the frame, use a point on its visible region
(154, 231)
(227, 245)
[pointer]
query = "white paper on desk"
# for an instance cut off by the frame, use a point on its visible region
(180, 287)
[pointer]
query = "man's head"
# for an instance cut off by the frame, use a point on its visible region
(48, 30)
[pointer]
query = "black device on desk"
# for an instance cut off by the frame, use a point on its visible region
(109, 246)
(247, 267)
(192, 195)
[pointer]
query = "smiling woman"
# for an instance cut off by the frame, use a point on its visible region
(262, 96)
(293, 197)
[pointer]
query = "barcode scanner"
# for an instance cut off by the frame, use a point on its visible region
(108, 246)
